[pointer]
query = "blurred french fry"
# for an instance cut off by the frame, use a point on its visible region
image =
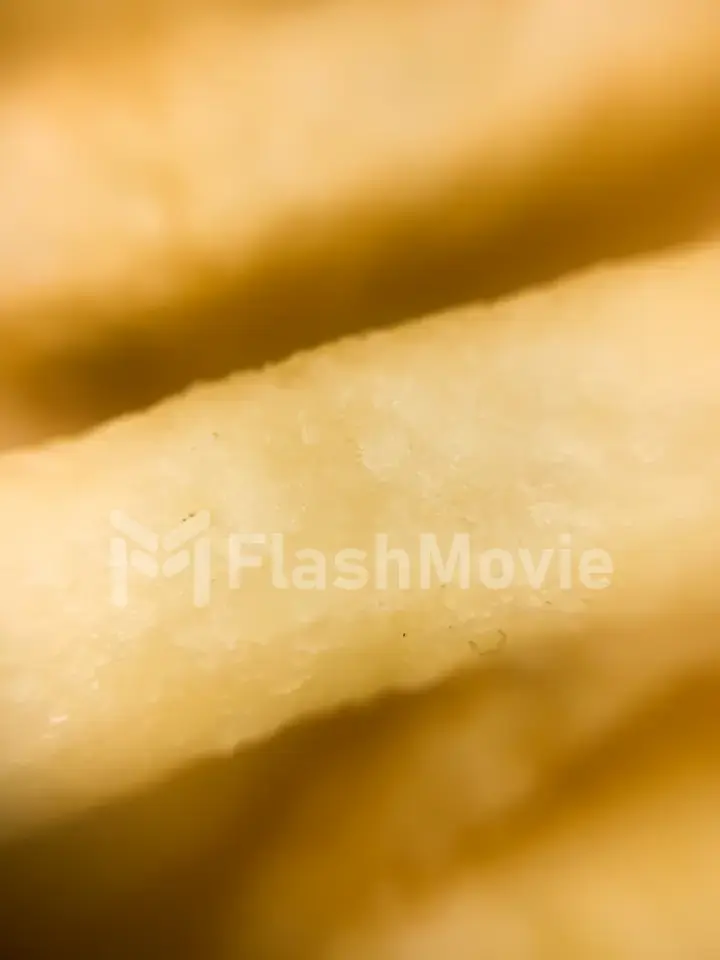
(618, 860)
(529, 803)
(190, 190)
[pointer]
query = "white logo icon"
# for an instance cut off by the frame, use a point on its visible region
(125, 555)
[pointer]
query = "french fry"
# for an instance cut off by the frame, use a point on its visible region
(292, 173)
(472, 809)
(572, 429)
(597, 866)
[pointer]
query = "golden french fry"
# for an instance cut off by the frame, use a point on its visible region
(249, 165)
(470, 810)
(571, 429)
(618, 859)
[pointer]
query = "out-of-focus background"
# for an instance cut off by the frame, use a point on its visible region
(189, 189)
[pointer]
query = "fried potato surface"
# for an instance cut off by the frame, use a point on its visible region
(551, 426)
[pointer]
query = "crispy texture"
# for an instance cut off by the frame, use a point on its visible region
(583, 410)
